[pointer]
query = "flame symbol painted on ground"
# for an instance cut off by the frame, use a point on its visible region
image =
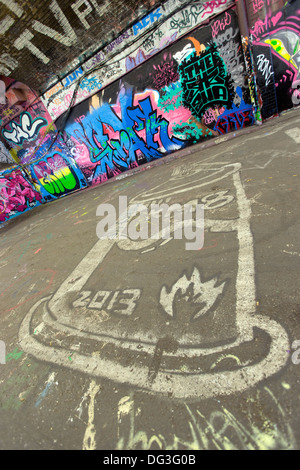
(194, 291)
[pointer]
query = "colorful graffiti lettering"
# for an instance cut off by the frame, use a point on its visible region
(57, 176)
(236, 118)
(149, 19)
(73, 76)
(220, 25)
(212, 5)
(27, 129)
(275, 43)
(234, 121)
(178, 96)
(211, 115)
(158, 108)
(205, 81)
(124, 135)
(16, 194)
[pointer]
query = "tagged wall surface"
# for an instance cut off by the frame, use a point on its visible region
(186, 76)
(41, 39)
(17, 194)
(193, 90)
(274, 35)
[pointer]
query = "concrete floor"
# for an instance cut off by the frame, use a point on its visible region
(122, 344)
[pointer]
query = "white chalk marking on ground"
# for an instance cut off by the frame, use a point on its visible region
(205, 385)
(294, 253)
(294, 134)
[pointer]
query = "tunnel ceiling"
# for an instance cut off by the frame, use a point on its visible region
(43, 40)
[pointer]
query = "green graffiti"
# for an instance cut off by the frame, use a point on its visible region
(191, 131)
(14, 355)
(171, 97)
(61, 181)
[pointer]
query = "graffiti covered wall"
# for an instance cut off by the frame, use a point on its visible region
(34, 141)
(160, 27)
(56, 175)
(186, 76)
(17, 194)
(192, 90)
(274, 28)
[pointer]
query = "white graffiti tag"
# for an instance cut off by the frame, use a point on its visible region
(264, 66)
(26, 130)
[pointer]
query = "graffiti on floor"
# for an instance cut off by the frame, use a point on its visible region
(163, 333)
(115, 303)
(220, 429)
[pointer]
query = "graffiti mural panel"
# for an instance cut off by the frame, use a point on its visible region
(17, 194)
(28, 131)
(193, 90)
(56, 176)
(274, 34)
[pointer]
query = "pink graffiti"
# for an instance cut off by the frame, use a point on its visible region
(212, 115)
(220, 25)
(165, 73)
(15, 193)
(212, 5)
(257, 5)
(262, 27)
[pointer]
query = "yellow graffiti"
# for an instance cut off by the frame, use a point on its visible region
(278, 46)
(220, 430)
(89, 441)
(59, 182)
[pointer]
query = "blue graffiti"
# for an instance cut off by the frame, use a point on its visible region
(149, 19)
(115, 144)
(235, 118)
